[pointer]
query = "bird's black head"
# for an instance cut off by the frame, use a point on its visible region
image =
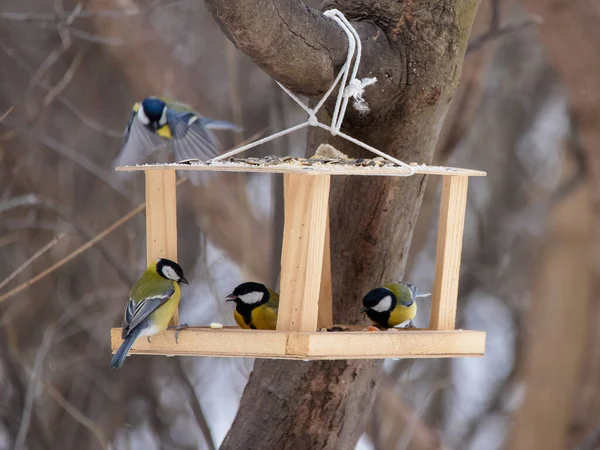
(379, 300)
(170, 270)
(153, 112)
(250, 294)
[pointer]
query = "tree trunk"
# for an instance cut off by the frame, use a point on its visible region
(415, 48)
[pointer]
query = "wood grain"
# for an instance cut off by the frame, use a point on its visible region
(161, 218)
(325, 316)
(234, 342)
(306, 208)
(312, 170)
(448, 253)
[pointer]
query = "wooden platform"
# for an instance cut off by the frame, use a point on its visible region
(235, 342)
(224, 166)
(305, 288)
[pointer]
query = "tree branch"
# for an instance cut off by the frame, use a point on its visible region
(289, 40)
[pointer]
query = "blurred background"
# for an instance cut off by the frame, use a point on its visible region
(527, 112)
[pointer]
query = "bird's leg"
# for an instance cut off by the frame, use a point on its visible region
(148, 337)
(410, 324)
(177, 329)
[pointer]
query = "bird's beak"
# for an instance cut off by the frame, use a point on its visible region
(363, 309)
(231, 298)
(183, 280)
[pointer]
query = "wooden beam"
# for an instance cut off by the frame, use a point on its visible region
(325, 317)
(234, 342)
(448, 253)
(161, 218)
(306, 208)
(316, 169)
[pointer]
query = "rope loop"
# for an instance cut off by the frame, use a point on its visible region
(353, 89)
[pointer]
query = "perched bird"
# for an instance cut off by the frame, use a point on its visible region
(152, 302)
(156, 123)
(255, 306)
(392, 304)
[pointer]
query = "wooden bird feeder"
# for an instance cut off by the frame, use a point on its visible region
(305, 291)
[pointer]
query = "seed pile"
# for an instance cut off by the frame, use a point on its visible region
(309, 162)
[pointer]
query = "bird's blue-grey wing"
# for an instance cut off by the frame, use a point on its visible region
(136, 312)
(139, 143)
(191, 139)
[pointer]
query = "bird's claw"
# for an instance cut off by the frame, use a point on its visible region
(410, 324)
(178, 328)
(148, 337)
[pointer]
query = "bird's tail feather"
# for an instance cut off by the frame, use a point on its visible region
(121, 353)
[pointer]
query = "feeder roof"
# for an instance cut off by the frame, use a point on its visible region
(323, 166)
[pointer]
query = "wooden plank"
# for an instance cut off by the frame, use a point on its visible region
(161, 218)
(396, 344)
(209, 342)
(325, 316)
(448, 253)
(306, 209)
(220, 166)
(234, 342)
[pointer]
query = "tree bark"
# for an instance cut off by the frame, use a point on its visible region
(415, 48)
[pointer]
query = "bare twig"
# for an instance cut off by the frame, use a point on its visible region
(65, 44)
(89, 243)
(66, 79)
(8, 239)
(35, 256)
(114, 13)
(75, 253)
(96, 38)
(93, 124)
(77, 415)
(20, 200)
(74, 156)
(32, 387)
(6, 113)
(477, 42)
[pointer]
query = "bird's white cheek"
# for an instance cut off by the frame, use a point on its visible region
(170, 273)
(252, 297)
(384, 305)
(163, 117)
(142, 116)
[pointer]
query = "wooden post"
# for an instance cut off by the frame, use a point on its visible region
(306, 209)
(325, 316)
(449, 247)
(161, 218)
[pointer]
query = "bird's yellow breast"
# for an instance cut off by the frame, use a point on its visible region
(165, 131)
(162, 315)
(402, 313)
(262, 317)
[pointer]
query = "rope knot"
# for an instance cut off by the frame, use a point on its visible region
(312, 118)
(356, 89)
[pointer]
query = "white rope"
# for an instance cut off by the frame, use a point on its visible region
(353, 89)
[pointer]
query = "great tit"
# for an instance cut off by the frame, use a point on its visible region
(255, 306)
(152, 302)
(156, 123)
(392, 304)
